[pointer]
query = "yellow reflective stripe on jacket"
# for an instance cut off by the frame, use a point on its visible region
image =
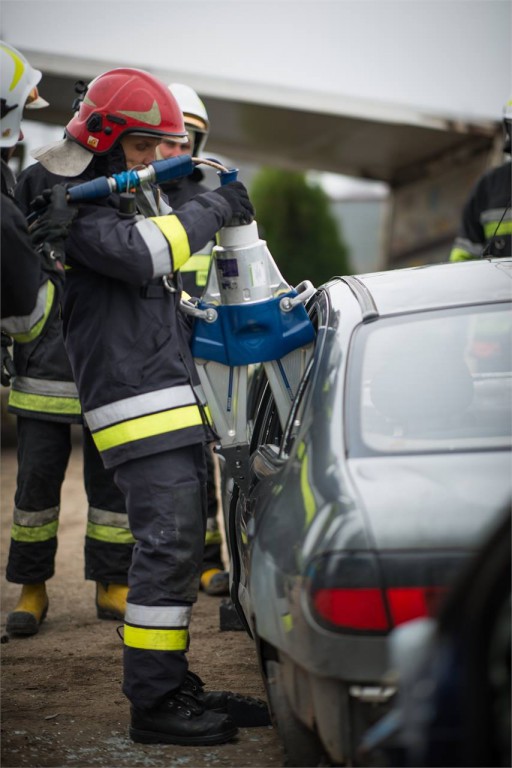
(491, 228)
(45, 403)
(109, 533)
(198, 261)
(34, 534)
(148, 426)
(33, 333)
(156, 639)
(174, 232)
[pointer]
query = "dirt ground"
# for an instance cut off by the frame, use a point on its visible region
(61, 702)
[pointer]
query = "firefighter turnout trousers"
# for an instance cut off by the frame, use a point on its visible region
(44, 448)
(165, 497)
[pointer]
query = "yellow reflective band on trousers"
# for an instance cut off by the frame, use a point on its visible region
(109, 533)
(24, 338)
(492, 229)
(148, 426)
(174, 232)
(33, 534)
(156, 639)
(67, 406)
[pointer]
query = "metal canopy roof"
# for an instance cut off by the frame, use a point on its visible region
(295, 128)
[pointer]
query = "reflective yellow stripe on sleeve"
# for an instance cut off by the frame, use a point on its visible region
(174, 232)
(148, 426)
(458, 254)
(156, 639)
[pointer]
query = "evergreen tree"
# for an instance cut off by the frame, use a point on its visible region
(295, 219)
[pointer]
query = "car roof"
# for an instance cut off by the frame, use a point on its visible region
(435, 286)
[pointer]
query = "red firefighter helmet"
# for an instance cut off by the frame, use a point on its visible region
(125, 101)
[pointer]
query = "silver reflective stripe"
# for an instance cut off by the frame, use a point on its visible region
(107, 517)
(157, 245)
(19, 325)
(42, 387)
(495, 214)
(200, 395)
(475, 249)
(35, 519)
(140, 405)
(158, 616)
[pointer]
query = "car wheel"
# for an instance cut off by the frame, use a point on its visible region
(301, 746)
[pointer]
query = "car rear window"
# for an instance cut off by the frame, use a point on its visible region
(432, 382)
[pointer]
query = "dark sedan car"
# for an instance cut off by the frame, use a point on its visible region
(361, 508)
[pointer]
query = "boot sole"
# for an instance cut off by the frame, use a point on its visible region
(152, 737)
(24, 623)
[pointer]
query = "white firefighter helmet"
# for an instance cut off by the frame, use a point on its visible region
(18, 81)
(194, 115)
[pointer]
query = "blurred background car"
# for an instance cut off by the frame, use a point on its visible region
(363, 507)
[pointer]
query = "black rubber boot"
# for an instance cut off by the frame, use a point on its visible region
(180, 719)
(245, 711)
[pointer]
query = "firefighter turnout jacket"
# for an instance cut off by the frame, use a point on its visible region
(30, 285)
(43, 387)
(487, 218)
(123, 331)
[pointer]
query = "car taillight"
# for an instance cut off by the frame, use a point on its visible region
(362, 592)
(359, 609)
(407, 603)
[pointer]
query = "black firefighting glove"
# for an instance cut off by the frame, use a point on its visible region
(8, 370)
(238, 198)
(53, 226)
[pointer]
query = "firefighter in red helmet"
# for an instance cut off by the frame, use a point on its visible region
(132, 364)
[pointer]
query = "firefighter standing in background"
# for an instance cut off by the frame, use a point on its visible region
(214, 579)
(31, 288)
(131, 361)
(45, 401)
(31, 281)
(486, 226)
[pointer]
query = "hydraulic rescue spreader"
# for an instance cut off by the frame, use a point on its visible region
(247, 315)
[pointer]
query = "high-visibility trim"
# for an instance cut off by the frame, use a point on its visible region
(109, 534)
(140, 405)
(45, 404)
(493, 215)
(176, 235)
(156, 639)
(157, 246)
(107, 517)
(158, 615)
(198, 261)
(148, 426)
(50, 387)
(33, 519)
(27, 328)
(493, 228)
(31, 535)
(465, 250)
(212, 537)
